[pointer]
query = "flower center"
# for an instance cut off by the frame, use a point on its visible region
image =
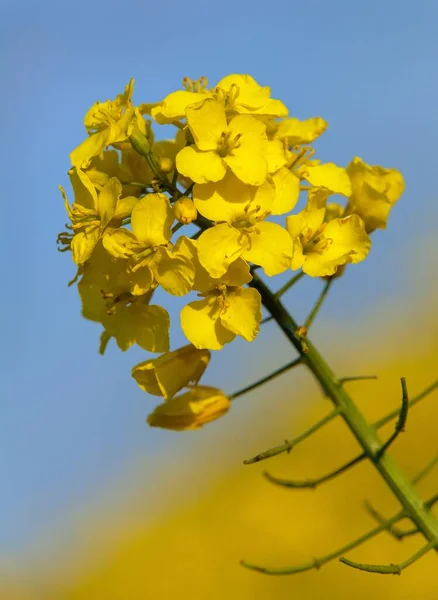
(226, 144)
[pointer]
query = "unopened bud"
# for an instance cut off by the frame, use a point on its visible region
(166, 164)
(185, 210)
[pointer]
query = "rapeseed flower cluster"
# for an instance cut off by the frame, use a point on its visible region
(193, 214)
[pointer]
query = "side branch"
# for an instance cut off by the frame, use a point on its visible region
(316, 563)
(263, 380)
(290, 444)
(313, 483)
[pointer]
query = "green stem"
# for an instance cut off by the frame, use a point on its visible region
(364, 433)
(395, 413)
(426, 470)
(289, 284)
(263, 380)
(319, 303)
(316, 563)
(389, 569)
(290, 444)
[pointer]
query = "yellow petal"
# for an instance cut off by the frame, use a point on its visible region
(83, 244)
(83, 189)
(140, 281)
(272, 108)
(124, 207)
(243, 313)
(218, 247)
(173, 107)
(152, 219)
(348, 242)
(201, 167)
(301, 132)
(238, 274)
(330, 176)
(169, 373)
(122, 243)
(251, 94)
(374, 191)
(189, 248)
(248, 159)
(287, 191)
(92, 146)
(191, 410)
(148, 326)
(202, 327)
(224, 200)
(207, 123)
(271, 248)
(275, 155)
(107, 200)
(174, 272)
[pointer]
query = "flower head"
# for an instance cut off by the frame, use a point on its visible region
(191, 410)
(320, 247)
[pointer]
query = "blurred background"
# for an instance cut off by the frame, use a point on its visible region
(94, 504)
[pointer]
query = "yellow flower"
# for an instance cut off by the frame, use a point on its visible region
(146, 246)
(242, 94)
(328, 176)
(240, 145)
(104, 291)
(320, 247)
(226, 309)
(173, 107)
(107, 123)
(244, 232)
(191, 410)
(375, 190)
(92, 212)
(297, 132)
(170, 372)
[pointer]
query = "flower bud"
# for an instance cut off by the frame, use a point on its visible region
(185, 210)
(166, 164)
(191, 410)
(170, 372)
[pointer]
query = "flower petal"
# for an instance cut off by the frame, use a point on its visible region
(148, 326)
(248, 159)
(238, 274)
(201, 167)
(174, 272)
(275, 155)
(207, 123)
(191, 410)
(330, 176)
(202, 327)
(169, 373)
(83, 188)
(348, 243)
(374, 191)
(300, 132)
(271, 248)
(152, 219)
(287, 191)
(173, 107)
(107, 201)
(243, 313)
(83, 244)
(124, 207)
(218, 247)
(122, 243)
(92, 146)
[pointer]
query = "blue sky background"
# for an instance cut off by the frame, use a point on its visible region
(72, 422)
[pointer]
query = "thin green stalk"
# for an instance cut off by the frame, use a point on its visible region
(401, 421)
(289, 284)
(290, 444)
(263, 380)
(313, 483)
(364, 433)
(398, 533)
(422, 474)
(392, 415)
(316, 563)
(389, 569)
(319, 303)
